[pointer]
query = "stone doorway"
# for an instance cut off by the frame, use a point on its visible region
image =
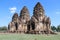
(28, 27)
(16, 25)
(33, 25)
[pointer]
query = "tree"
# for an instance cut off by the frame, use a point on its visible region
(58, 28)
(53, 28)
(3, 28)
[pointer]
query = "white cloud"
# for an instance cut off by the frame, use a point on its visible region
(58, 12)
(13, 9)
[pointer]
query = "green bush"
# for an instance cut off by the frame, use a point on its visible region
(53, 28)
(58, 28)
(3, 28)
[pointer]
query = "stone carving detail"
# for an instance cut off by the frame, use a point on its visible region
(38, 23)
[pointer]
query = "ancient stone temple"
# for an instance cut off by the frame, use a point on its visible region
(41, 23)
(38, 23)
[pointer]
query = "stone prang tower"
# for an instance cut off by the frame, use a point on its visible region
(37, 24)
(40, 23)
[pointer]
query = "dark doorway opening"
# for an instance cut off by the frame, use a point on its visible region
(33, 25)
(28, 27)
(16, 26)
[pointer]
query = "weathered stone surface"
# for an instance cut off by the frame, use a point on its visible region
(39, 22)
(24, 15)
(11, 27)
(15, 17)
(24, 19)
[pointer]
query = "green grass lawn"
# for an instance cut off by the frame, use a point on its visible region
(29, 37)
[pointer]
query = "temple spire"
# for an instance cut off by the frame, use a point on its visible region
(24, 14)
(38, 8)
(15, 17)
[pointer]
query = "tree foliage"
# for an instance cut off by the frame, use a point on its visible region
(58, 28)
(53, 28)
(3, 28)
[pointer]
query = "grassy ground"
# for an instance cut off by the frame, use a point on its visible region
(29, 37)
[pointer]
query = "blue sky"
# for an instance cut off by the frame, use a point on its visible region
(8, 7)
